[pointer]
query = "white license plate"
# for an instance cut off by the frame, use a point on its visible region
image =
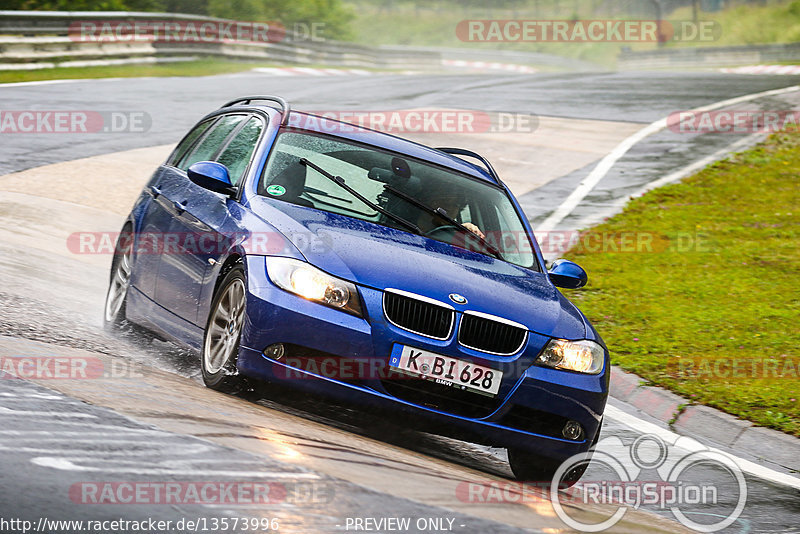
(447, 371)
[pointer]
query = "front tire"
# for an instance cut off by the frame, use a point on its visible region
(223, 333)
(529, 468)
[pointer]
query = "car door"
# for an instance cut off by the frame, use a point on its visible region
(157, 217)
(199, 215)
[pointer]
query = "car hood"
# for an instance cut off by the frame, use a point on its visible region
(379, 257)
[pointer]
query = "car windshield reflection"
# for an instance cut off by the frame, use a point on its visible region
(441, 204)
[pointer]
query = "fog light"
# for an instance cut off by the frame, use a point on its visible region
(572, 430)
(275, 351)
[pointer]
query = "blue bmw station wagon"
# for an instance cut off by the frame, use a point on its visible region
(287, 247)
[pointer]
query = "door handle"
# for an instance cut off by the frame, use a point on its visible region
(155, 191)
(180, 206)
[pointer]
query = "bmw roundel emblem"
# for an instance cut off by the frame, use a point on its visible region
(458, 299)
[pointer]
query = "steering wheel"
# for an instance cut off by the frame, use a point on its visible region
(441, 230)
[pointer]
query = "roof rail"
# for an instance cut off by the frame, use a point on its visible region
(471, 154)
(285, 108)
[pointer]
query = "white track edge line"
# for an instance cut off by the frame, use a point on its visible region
(752, 468)
(605, 165)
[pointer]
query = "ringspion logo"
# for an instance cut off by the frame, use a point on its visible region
(648, 473)
(680, 484)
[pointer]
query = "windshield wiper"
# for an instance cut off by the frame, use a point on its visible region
(442, 214)
(338, 180)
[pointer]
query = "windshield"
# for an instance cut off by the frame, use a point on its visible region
(406, 192)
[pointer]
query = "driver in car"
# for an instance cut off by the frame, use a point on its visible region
(453, 202)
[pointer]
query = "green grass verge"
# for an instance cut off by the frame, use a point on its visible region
(200, 67)
(719, 285)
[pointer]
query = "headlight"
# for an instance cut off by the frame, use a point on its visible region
(583, 356)
(307, 281)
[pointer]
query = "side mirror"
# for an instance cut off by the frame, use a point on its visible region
(567, 274)
(212, 176)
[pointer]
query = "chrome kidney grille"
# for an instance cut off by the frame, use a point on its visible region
(487, 333)
(428, 317)
(418, 314)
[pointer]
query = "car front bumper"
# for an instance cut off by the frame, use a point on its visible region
(330, 352)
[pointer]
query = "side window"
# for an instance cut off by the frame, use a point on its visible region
(502, 223)
(211, 143)
(240, 149)
(185, 145)
(510, 239)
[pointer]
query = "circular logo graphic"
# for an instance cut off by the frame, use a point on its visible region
(458, 299)
(639, 453)
(628, 482)
(276, 190)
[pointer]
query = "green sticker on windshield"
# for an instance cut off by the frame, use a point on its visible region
(276, 190)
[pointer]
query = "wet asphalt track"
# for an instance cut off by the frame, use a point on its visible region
(175, 104)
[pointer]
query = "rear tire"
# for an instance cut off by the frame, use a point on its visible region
(223, 333)
(114, 320)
